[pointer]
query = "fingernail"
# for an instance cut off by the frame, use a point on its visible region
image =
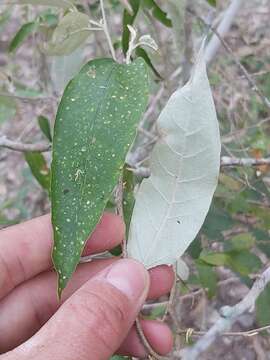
(130, 277)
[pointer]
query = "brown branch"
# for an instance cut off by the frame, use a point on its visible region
(230, 161)
(18, 146)
(223, 28)
(248, 77)
(225, 160)
(188, 296)
(229, 316)
(191, 332)
(169, 307)
(241, 132)
(119, 205)
(27, 98)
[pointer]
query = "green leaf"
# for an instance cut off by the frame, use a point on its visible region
(217, 220)
(262, 241)
(215, 259)
(243, 262)
(263, 214)
(140, 52)
(262, 307)
(195, 247)
(157, 312)
(238, 204)
(212, 2)
(71, 32)
(208, 277)
(95, 125)
(240, 242)
(116, 251)
(8, 108)
(39, 169)
(128, 19)
(44, 125)
(26, 30)
(48, 19)
(128, 197)
(171, 205)
(230, 182)
(157, 12)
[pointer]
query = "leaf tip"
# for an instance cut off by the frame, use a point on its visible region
(61, 284)
(59, 291)
(61, 279)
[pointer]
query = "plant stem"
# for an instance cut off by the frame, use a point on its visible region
(18, 146)
(119, 206)
(106, 30)
(229, 316)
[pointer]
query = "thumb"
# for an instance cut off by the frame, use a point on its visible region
(93, 322)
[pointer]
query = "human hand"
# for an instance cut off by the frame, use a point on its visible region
(96, 315)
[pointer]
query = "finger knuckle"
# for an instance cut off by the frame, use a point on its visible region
(103, 311)
(6, 279)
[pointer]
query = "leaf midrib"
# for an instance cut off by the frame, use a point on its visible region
(83, 185)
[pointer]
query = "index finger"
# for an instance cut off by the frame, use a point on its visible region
(25, 249)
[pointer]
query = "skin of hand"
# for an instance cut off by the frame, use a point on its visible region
(95, 318)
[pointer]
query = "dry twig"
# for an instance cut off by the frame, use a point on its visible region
(248, 333)
(229, 315)
(230, 161)
(106, 30)
(18, 146)
(222, 29)
(28, 98)
(169, 306)
(43, 147)
(248, 77)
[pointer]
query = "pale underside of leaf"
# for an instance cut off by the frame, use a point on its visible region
(71, 32)
(172, 204)
(95, 125)
(182, 270)
(64, 68)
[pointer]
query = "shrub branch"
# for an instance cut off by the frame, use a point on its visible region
(229, 316)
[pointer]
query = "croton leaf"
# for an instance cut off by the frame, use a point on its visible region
(95, 126)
